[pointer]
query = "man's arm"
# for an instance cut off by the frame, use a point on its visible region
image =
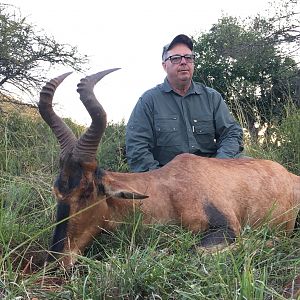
(140, 139)
(229, 133)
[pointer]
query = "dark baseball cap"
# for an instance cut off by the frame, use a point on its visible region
(179, 39)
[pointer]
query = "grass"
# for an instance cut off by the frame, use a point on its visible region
(162, 262)
(134, 262)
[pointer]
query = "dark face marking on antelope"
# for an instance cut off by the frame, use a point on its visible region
(69, 177)
(60, 233)
(219, 230)
(68, 180)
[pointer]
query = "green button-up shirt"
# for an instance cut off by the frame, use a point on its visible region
(164, 124)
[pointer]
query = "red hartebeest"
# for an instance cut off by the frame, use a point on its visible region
(202, 194)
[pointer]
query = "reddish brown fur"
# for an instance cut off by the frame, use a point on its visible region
(246, 191)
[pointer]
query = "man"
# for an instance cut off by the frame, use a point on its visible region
(180, 116)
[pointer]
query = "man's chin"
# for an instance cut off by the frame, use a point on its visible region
(185, 78)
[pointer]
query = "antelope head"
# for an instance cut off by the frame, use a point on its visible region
(78, 188)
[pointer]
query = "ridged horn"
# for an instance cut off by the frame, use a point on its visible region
(63, 133)
(87, 144)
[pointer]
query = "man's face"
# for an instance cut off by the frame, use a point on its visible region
(179, 72)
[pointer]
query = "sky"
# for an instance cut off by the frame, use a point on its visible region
(126, 34)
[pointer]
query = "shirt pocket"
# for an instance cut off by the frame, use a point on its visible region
(167, 130)
(204, 132)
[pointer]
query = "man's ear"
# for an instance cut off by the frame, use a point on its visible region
(127, 195)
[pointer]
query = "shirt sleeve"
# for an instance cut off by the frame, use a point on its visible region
(140, 138)
(229, 134)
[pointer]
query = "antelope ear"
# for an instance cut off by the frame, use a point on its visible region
(127, 195)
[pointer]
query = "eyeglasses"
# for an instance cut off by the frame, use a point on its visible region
(176, 59)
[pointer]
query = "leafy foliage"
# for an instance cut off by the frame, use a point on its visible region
(251, 63)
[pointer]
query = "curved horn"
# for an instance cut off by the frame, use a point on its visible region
(63, 133)
(88, 143)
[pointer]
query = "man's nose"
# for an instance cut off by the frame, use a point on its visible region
(183, 60)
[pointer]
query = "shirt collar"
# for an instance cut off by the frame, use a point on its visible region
(194, 88)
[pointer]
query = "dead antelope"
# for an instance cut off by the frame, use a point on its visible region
(218, 196)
